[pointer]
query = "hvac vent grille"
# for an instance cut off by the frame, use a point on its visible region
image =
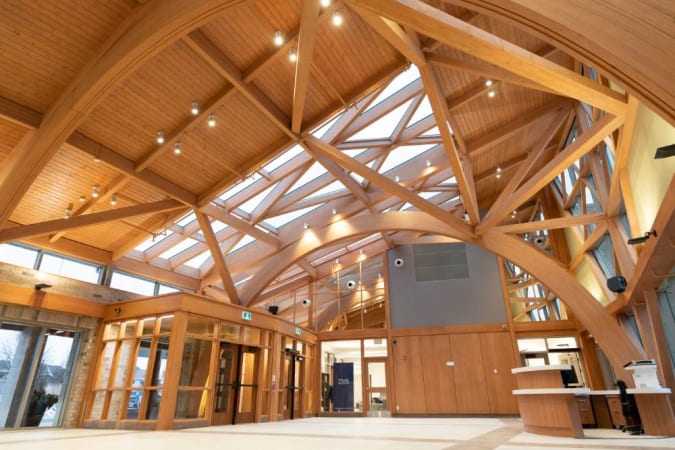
(440, 262)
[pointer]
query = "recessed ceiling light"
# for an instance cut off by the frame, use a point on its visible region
(278, 38)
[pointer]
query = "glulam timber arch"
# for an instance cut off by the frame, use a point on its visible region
(604, 328)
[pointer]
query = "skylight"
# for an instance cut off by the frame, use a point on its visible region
(186, 219)
(422, 111)
(240, 186)
(282, 219)
(247, 239)
(314, 171)
(354, 152)
(333, 187)
(382, 127)
(321, 129)
(428, 195)
(250, 205)
(156, 239)
(198, 260)
(403, 154)
(405, 78)
(283, 158)
(176, 249)
(217, 226)
(432, 132)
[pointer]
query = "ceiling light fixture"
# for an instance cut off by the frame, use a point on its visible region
(337, 19)
(212, 120)
(83, 199)
(160, 137)
(113, 199)
(498, 171)
(278, 38)
(325, 3)
(305, 225)
(292, 55)
(334, 211)
(491, 93)
(641, 239)
(176, 148)
(69, 211)
(428, 163)
(513, 214)
(397, 178)
(94, 191)
(488, 82)
(195, 107)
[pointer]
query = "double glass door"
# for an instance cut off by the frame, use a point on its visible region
(293, 376)
(236, 384)
(35, 369)
(376, 386)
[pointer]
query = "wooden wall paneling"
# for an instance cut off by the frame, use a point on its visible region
(439, 378)
(498, 360)
(470, 386)
(409, 376)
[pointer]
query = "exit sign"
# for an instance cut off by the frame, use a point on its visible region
(298, 331)
(246, 315)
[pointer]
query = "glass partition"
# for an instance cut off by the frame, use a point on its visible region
(341, 362)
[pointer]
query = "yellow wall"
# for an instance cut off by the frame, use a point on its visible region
(583, 271)
(649, 177)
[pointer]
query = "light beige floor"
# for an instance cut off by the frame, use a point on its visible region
(331, 434)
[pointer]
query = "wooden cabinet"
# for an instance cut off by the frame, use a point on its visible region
(498, 360)
(439, 377)
(585, 410)
(615, 411)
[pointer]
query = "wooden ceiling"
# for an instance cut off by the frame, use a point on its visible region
(96, 81)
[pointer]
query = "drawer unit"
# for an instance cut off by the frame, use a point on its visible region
(614, 405)
(585, 411)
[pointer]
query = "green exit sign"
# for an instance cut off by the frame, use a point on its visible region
(298, 331)
(246, 315)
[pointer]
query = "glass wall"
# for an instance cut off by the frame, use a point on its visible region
(35, 370)
(341, 369)
(553, 351)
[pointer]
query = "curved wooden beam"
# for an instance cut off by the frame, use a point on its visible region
(613, 340)
(148, 29)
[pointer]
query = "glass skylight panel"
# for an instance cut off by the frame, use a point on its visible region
(283, 158)
(333, 187)
(217, 226)
(186, 219)
(402, 80)
(403, 154)
(314, 171)
(176, 249)
(406, 206)
(357, 177)
(282, 219)
(354, 152)
(422, 111)
(153, 240)
(432, 132)
(249, 205)
(382, 127)
(428, 195)
(198, 260)
(321, 129)
(240, 186)
(247, 239)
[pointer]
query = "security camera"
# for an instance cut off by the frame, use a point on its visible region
(351, 284)
(539, 240)
(398, 262)
(306, 302)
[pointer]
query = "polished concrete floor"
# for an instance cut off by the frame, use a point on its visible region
(331, 434)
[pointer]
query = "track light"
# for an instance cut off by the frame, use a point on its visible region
(292, 55)
(641, 239)
(195, 107)
(113, 199)
(94, 191)
(160, 137)
(176, 148)
(278, 38)
(69, 212)
(488, 82)
(337, 18)
(212, 120)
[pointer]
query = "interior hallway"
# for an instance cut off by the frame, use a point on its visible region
(329, 433)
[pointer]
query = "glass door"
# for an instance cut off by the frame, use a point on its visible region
(376, 386)
(35, 368)
(247, 385)
(226, 376)
(293, 376)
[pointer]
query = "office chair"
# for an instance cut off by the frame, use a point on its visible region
(629, 410)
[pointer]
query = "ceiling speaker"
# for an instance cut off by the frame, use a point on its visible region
(616, 284)
(273, 309)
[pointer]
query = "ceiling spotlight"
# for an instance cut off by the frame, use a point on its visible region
(69, 212)
(83, 199)
(397, 178)
(292, 55)
(94, 191)
(428, 163)
(195, 107)
(337, 18)
(212, 120)
(498, 171)
(176, 148)
(325, 3)
(113, 199)
(491, 93)
(305, 225)
(488, 82)
(641, 239)
(278, 38)
(41, 286)
(97, 159)
(160, 137)
(333, 211)
(513, 214)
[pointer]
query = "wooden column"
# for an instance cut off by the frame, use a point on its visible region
(172, 375)
(275, 386)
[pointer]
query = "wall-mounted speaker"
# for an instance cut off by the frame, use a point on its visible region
(616, 284)
(273, 309)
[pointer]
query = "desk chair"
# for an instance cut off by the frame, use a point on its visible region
(629, 410)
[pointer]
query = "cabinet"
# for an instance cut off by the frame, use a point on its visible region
(585, 410)
(615, 412)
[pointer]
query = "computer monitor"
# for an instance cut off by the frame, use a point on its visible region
(569, 376)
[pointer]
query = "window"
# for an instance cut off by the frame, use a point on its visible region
(18, 255)
(70, 268)
(133, 284)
